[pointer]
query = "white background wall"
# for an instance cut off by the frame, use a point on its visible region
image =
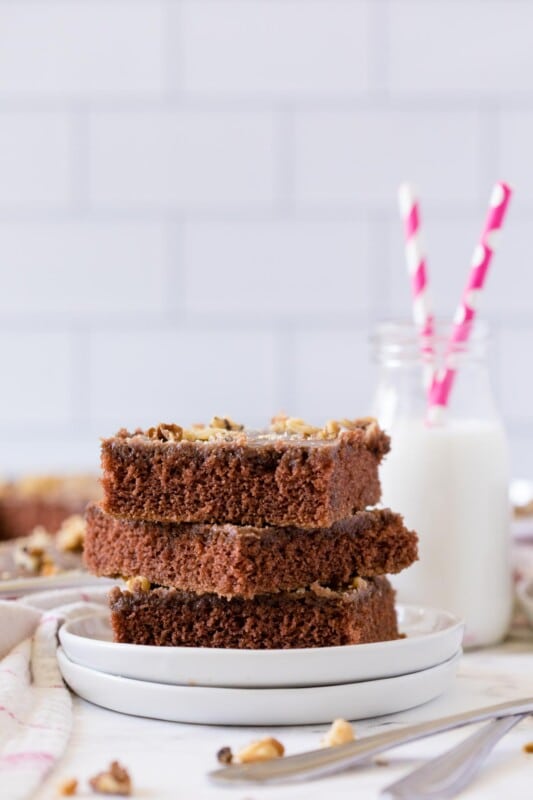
(198, 204)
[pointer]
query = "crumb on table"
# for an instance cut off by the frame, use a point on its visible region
(115, 780)
(68, 787)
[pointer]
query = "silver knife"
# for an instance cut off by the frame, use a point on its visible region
(326, 761)
(446, 775)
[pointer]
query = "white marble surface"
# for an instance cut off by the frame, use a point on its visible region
(168, 761)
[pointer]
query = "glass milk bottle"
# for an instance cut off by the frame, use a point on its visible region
(449, 480)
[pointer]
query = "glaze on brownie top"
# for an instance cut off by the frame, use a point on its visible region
(282, 428)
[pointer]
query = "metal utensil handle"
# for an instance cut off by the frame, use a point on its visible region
(326, 761)
(445, 776)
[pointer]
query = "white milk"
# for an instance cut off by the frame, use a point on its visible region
(451, 484)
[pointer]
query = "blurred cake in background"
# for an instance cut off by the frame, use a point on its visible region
(43, 500)
(44, 553)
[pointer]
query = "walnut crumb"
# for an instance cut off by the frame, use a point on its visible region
(224, 755)
(528, 747)
(359, 583)
(261, 750)
(68, 787)
(115, 780)
(294, 425)
(138, 584)
(39, 537)
(29, 557)
(71, 534)
(332, 428)
(340, 732)
(166, 432)
(226, 424)
(48, 568)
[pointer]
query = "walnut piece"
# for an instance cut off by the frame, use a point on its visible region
(71, 534)
(138, 584)
(332, 428)
(294, 425)
(39, 537)
(226, 423)
(224, 755)
(359, 583)
(68, 787)
(166, 432)
(29, 558)
(528, 747)
(115, 780)
(340, 732)
(48, 568)
(261, 750)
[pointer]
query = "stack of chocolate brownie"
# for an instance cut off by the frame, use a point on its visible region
(243, 539)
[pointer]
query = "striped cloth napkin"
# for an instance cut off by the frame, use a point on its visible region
(35, 705)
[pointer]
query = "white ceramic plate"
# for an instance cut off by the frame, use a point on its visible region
(303, 706)
(431, 637)
(75, 578)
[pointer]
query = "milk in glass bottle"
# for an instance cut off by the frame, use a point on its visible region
(450, 480)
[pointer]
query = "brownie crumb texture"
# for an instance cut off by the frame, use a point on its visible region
(315, 617)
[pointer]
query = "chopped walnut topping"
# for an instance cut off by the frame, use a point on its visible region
(295, 425)
(278, 422)
(138, 584)
(528, 747)
(340, 732)
(356, 424)
(71, 534)
(373, 436)
(224, 755)
(332, 428)
(222, 427)
(226, 423)
(261, 750)
(200, 433)
(68, 787)
(115, 780)
(166, 432)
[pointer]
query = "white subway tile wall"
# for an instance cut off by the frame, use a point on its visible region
(198, 205)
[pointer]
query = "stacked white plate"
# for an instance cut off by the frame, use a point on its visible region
(263, 687)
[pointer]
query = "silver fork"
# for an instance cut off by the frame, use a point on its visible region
(327, 761)
(445, 776)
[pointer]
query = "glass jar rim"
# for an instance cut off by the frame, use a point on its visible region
(403, 339)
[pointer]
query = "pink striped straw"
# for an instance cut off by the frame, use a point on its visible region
(441, 387)
(416, 259)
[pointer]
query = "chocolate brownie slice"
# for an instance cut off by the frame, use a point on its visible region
(293, 474)
(315, 617)
(244, 560)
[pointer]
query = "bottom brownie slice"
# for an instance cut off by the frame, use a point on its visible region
(314, 617)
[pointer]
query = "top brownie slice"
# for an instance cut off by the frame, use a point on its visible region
(292, 474)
